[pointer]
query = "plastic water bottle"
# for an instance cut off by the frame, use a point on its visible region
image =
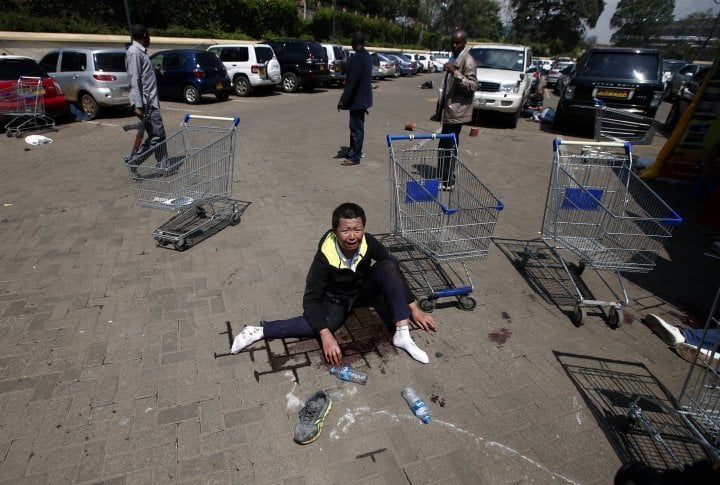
(418, 406)
(347, 373)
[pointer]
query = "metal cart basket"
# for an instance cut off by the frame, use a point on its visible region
(698, 406)
(24, 104)
(449, 226)
(619, 125)
(191, 172)
(599, 210)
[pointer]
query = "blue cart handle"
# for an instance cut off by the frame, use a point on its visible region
(235, 121)
(428, 136)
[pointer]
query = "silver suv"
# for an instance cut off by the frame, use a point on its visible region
(502, 73)
(250, 66)
(93, 78)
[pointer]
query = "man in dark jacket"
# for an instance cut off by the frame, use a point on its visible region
(357, 96)
(350, 269)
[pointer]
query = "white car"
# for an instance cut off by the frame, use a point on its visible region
(337, 63)
(426, 63)
(505, 84)
(250, 66)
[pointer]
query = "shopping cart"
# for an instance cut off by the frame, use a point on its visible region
(190, 173)
(600, 211)
(618, 125)
(698, 406)
(23, 103)
(450, 226)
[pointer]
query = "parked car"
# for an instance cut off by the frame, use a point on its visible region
(683, 75)
(188, 74)
(414, 68)
(386, 67)
(12, 68)
(670, 67)
(563, 77)
(337, 63)
(405, 66)
(302, 63)
(534, 72)
(685, 97)
(425, 63)
(502, 71)
(554, 72)
(621, 77)
(250, 66)
(92, 78)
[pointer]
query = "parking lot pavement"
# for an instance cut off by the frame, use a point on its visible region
(114, 361)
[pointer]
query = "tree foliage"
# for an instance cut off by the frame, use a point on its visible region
(559, 24)
(639, 21)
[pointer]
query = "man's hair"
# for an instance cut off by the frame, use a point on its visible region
(459, 33)
(348, 210)
(138, 31)
(358, 38)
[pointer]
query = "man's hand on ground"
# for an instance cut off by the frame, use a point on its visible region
(331, 349)
(422, 319)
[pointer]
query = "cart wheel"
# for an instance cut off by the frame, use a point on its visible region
(615, 318)
(580, 268)
(200, 212)
(8, 133)
(235, 219)
(18, 134)
(427, 305)
(578, 316)
(467, 302)
(181, 244)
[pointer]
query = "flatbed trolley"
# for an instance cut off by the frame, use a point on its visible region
(619, 125)
(599, 210)
(191, 173)
(24, 104)
(449, 226)
(698, 406)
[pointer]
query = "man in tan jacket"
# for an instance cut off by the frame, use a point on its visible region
(456, 106)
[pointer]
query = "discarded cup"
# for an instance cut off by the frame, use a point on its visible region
(410, 126)
(474, 131)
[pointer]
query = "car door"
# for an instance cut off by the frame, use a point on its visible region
(72, 67)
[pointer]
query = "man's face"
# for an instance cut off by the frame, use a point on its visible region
(349, 233)
(458, 44)
(146, 40)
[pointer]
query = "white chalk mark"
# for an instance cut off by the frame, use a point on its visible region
(577, 410)
(294, 404)
(351, 416)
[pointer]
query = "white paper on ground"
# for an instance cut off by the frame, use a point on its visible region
(37, 140)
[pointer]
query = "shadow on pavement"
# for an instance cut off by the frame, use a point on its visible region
(609, 387)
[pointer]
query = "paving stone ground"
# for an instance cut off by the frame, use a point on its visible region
(114, 363)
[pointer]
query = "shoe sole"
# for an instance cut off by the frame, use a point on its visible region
(667, 333)
(320, 422)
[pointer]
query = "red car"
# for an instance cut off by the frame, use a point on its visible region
(12, 68)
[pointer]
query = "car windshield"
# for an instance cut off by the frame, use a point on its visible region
(497, 58)
(672, 66)
(318, 51)
(622, 65)
(12, 69)
(110, 61)
(263, 54)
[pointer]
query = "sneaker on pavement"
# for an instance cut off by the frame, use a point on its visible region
(312, 417)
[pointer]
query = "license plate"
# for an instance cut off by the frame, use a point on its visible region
(125, 92)
(322, 67)
(261, 72)
(218, 86)
(613, 93)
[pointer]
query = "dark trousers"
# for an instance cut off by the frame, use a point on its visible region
(154, 143)
(357, 134)
(385, 289)
(447, 153)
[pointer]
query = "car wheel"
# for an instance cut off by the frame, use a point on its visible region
(222, 96)
(242, 86)
(89, 105)
(513, 119)
(190, 94)
(289, 82)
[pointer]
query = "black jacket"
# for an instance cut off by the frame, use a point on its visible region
(357, 93)
(330, 281)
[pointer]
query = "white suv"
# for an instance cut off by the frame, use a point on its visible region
(503, 78)
(249, 65)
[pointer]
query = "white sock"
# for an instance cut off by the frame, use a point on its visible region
(403, 340)
(248, 336)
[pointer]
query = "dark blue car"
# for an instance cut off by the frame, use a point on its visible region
(188, 74)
